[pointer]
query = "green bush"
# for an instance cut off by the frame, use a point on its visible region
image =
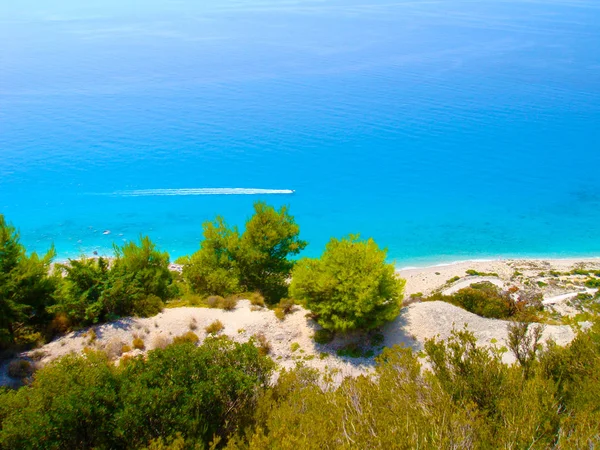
(323, 336)
(350, 287)
(486, 300)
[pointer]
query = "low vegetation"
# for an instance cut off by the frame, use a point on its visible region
(487, 300)
(196, 394)
(214, 327)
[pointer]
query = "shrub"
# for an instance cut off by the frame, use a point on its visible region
(214, 301)
(92, 336)
(113, 348)
(229, 303)
(352, 351)
(279, 313)
(193, 324)
(294, 346)
(287, 305)
(452, 280)
(60, 324)
(350, 287)
(138, 343)
(20, 368)
(256, 299)
(592, 283)
(190, 336)
(214, 327)
(323, 336)
(160, 341)
(148, 306)
(125, 349)
(264, 346)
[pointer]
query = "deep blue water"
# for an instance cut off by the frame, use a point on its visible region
(445, 129)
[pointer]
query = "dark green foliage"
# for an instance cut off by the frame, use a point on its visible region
(269, 239)
(26, 289)
(592, 282)
(85, 402)
(350, 287)
(198, 391)
(79, 297)
(213, 269)
(323, 336)
(69, 405)
(137, 281)
(257, 260)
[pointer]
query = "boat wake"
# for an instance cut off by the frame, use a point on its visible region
(201, 191)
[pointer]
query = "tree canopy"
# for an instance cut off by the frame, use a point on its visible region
(257, 260)
(26, 287)
(350, 287)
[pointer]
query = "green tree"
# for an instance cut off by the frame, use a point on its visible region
(26, 287)
(81, 289)
(213, 270)
(268, 241)
(350, 287)
(138, 281)
(258, 260)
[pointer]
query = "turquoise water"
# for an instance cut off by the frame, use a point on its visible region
(445, 130)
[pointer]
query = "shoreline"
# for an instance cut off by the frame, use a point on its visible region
(573, 259)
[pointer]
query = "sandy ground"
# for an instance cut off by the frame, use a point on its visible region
(291, 339)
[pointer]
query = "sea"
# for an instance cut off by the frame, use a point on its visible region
(445, 130)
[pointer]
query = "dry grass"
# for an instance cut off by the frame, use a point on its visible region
(92, 336)
(279, 313)
(114, 348)
(138, 342)
(190, 336)
(263, 345)
(256, 299)
(229, 303)
(215, 327)
(160, 341)
(214, 301)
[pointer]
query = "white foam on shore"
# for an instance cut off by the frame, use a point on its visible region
(201, 191)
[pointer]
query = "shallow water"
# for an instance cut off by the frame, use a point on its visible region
(445, 130)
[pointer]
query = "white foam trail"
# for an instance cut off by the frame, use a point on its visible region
(202, 191)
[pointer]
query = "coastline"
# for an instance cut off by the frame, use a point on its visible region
(430, 278)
